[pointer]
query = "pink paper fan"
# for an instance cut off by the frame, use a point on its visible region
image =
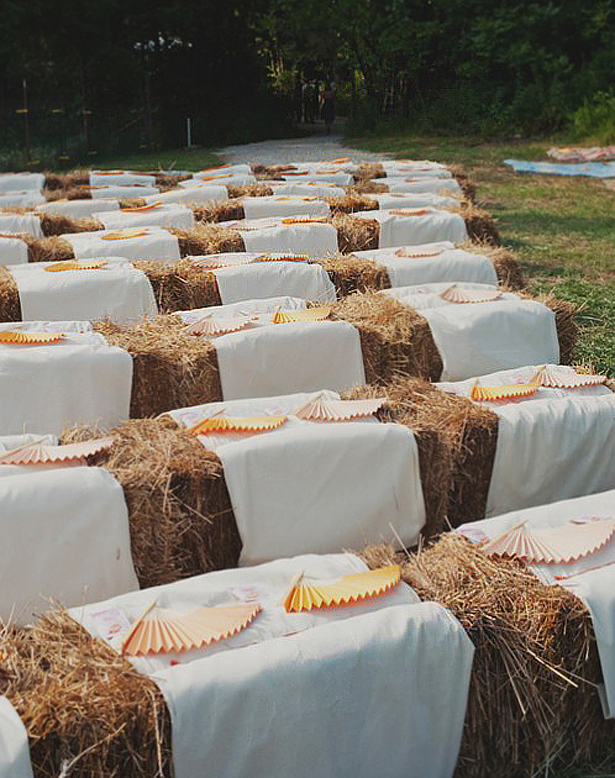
(405, 252)
(456, 295)
(211, 327)
(321, 409)
(39, 453)
(557, 377)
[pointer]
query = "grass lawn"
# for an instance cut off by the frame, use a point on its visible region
(561, 229)
(175, 159)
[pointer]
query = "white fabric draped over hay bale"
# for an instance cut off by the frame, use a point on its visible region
(239, 169)
(120, 178)
(283, 205)
(25, 199)
(79, 208)
(126, 192)
(400, 230)
(14, 747)
(13, 251)
(322, 189)
(20, 182)
(272, 235)
(202, 193)
(319, 176)
(28, 223)
(172, 216)
(411, 184)
(151, 243)
(392, 200)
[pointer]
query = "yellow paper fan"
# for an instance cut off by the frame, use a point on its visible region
(60, 266)
(324, 220)
(283, 258)
(502, 393)
(321, 409)
(555, 378)
(143, 208)
(304, 314)
(12, 336)
(410, 253)
(240, 424)
(321, 183)
(307, 596)
(124, 235)
(283, 198)
(110, 172)
(38, 453)
(418, 212)
(159, 630)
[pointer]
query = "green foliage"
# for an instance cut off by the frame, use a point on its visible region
(596, 118)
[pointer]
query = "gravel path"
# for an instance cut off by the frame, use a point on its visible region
(315, 147)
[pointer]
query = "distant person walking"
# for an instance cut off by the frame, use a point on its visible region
(328, 106)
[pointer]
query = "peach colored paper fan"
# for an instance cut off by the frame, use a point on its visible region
(60, 266)
(321, 183)
(551, 377)
(110, 172)
(410, 253)
(38, 453)
(221, 424)
(307, 220)
(304, 314)
(309, 199)
(143, 208)
(211, 327)
(159, 630)
(455, 294)
(321, 409)
(33, 338)
(282, 258)
(419, 212)
(307, 596)
(502, 393)
(124, 235)
(214, 262)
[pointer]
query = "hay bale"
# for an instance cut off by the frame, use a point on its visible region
(52, 249)
(480, 225)
(350, 273)
(532, 704)
(218, 211)
(248, 190)
(69, 180)
(72, 193)
(181, 287)
(565, 322)
(208, 239)
(10, 304)
(508, 270)
(59, 224)
(368, 186)
(355, 234)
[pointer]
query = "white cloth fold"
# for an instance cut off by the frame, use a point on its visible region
(410, 184)
(126, 192)
(239, 169)
(172, 216)
(79, 208)
(117, 289)
(202, 193)
(13, 251)
(77, 380)
(267, 235)
(272, 279)
(447, 264)
(393, 200)
(119, 178)
(10, 182)
(147, 243)
(220, 179)
(28, 223)
(26, 199)
(401, 230)
(14, 749)
(315, 189)
(320, 176)
(283, 205)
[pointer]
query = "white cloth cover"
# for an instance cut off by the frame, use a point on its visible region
(311, 486)
(117, 290)
(435, 185)
(269, 235)
(224, 179)
(120, 178)
(283, 205)
(315, 189)
(273, 279)
(240, 169)
(265, 359)
(26, 199)
(14, 749)
(79, 208)
(553, 445)
(77, 380)
(313, 673)
(71, 525)
(479, 338)
(11, 182)
(593, 578)
(155, 244)
(13, 251)
(432, 226)
(28, 223)
(451, 265)
(126, 192)
(172, 216)
(318, 176)
(202, 193)
(394, 200)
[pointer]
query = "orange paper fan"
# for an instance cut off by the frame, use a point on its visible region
(209, 326)
(320, 183)
(454, 294)
(307, 220)
(308, 596)
(282, 258)
(124, 235)
(554, 378)
(337, 161)
(60, 266)
(502, 393)
(143, 208)
(12, 336)
(110, 172)
(215, 261)
(321, 409)
(409, 253)
(419, 212)
(309, 199)
(159, 630)
(38, 453)
(304, 314)
(213, 169)
(240, 424)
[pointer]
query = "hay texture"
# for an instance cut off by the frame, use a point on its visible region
(533, 705)
(10, 304)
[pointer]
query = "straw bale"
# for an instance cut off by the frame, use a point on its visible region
(506, 266)
(53, 249)
(368, 170)
(10, 304)
(480, 225)
(59, 224)
(351, 273)
(248, 190)
(462, 178)
(218, 210)
(171, 369)
(69, 180)
(368, 186)
(567, 328)
(533, 704)
(351, 203)
(355, 234)
(181, 287)
(270, 171)
(72, 193)
(208, 239)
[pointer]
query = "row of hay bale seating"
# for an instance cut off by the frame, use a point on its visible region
(199, 418)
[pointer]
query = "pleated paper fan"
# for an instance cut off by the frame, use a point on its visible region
(29, 338)
(60, 266)
(322, 183)
(306, 220)
(124, 235)
(110, 172)
(240, 424)
(321, 409)
(418, 212)
(215, 262)
(456, 295)
(159, 630)
(143, 208)
(309, 199)
(307, 596)
(304, 314)
(39, 453)
(554, 377)
(411, 253)
(210, 326)
(502, 393)
(282, 258)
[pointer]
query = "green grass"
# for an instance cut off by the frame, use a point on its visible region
(175, 159)
(561, 229)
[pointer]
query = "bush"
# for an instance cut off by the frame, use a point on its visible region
(596, 119)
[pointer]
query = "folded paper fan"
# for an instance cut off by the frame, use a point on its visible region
(214, 262)
(321, 409)
(554, 377)
(410, 253)
(60, 266)
(143, 208)
(159, 630)
(552, 545)
(212, 327)
(282, 258)
(240, 424)
(454, 294)
(419, 212)
(304, 314)
(322, 183)
(307, 220)
(110, 172)
(502, 393)
(124, 235)
(39, 453)
(12, 336)
(307, 596)
(309, 199)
